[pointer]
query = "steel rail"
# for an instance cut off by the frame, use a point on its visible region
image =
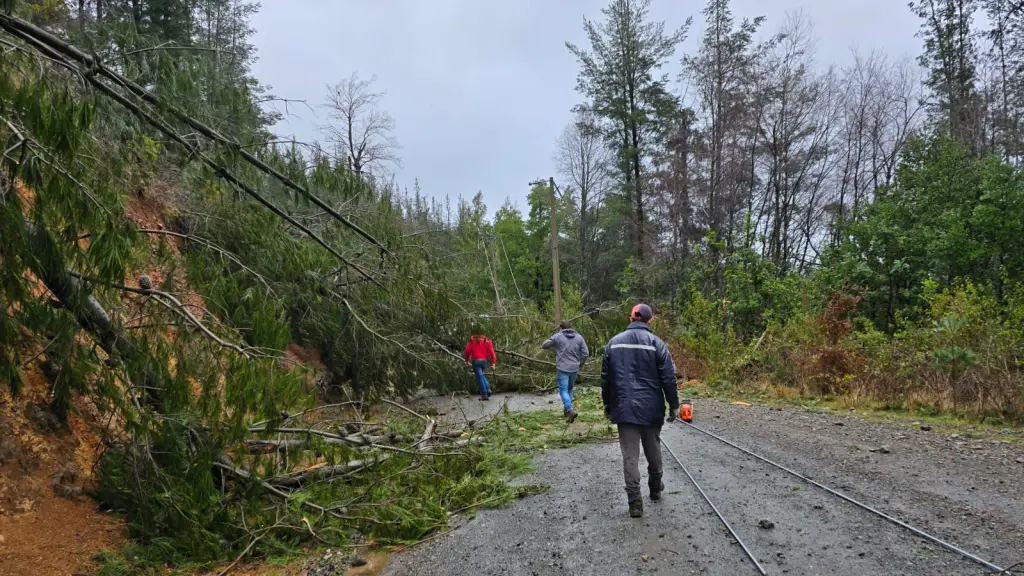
(735, 536)
(918, 531)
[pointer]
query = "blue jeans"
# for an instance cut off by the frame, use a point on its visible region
(478, 369)
(566, 380)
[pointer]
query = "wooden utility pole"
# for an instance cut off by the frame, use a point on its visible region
(554, 252)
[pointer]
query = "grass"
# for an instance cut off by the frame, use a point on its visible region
(527, 432)
(865, 408)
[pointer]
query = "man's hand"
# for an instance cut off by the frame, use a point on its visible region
(671, 414)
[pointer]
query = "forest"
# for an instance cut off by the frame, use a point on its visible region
(802, 230)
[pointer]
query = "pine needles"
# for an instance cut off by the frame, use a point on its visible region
(402, 499)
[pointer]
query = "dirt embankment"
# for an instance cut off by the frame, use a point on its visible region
(48, 526)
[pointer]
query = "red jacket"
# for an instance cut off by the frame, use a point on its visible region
(480, 348)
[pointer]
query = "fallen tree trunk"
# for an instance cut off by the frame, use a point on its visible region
(325, 472)
(226, 466)
(260, 446)
(269, 446)
(467, 441)
(88, 312)
(359, 439)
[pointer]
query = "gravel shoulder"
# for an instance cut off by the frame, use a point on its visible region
(968, 492)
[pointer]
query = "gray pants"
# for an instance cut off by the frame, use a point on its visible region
(631, 437)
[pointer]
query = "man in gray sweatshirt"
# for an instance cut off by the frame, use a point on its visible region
(570, 354)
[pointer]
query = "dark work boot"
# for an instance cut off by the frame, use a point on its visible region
(657, 487)
(636, 508)
(570, 416)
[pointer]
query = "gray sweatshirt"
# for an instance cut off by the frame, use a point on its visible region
(570, 350)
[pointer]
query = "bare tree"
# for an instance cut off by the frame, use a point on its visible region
(586, 166)
(822, 162)
(792, 143)
(674, 178)
(362, 133)
(721, 74)
(882, 108)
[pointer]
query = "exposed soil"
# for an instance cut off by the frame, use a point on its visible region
(59, 537)
(327, 563)
(967, 492)
(47, 527)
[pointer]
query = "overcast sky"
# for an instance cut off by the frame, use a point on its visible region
(481, 89)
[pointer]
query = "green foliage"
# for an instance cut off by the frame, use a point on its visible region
(702, 328)
(572, 302)
(936, 280)
(179, 400)
(42, 218)
(949, 215)
(399, 500)
(935, 256)
(757, 295)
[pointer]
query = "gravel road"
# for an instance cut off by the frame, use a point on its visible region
(968, 492)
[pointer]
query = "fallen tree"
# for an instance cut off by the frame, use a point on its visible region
(214, 444)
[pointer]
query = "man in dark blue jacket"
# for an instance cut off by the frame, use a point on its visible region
(637, 378)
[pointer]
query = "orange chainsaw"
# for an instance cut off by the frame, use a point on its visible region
(686, 411)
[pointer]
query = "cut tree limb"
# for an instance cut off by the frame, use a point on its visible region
(260, 446)
(326, 472)
(468, 441)
(424, 443)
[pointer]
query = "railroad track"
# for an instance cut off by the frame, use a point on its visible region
(991, 568)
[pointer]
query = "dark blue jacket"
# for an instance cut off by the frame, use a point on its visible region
(638, 377)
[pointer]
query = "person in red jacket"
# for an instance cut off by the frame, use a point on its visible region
(479, 350)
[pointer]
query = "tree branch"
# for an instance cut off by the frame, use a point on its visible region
(383, 337)
(15, 26)
(409, 410)
(215, 248)
(28, 31)
(175, 305)
(170, 46)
